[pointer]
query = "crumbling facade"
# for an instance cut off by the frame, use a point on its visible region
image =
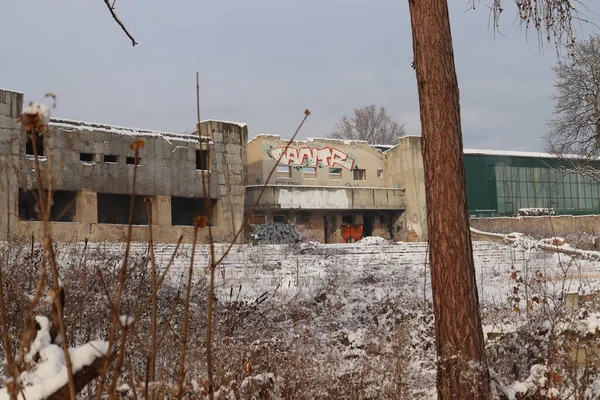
(337, 190)
(91, 168)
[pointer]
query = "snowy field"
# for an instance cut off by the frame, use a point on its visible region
(322, 321)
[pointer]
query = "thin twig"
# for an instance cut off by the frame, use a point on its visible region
(118, 21)
(211, 287)
(13, 385)
(45, 207)
(151, 369)
(142, 310)
(249, 215)
(186, 312)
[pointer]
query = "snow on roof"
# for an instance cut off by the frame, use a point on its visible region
(240, 124)
(383, 147)
(119, 130)
(307, 140)
(10, 90)
(344, 141)
(510, 153)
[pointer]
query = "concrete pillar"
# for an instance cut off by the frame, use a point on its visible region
(86, 207)
(11, 104)
(161, 211)
(409, 168)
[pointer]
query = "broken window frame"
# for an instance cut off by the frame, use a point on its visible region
(192, 207)
(130, 160)
(302, 218)
(63, 207)
(280, 219)
(110, 158)
(87, 157)
(39, 140)
(348, 219)
(360, 174)
(284, 172)
(202, 157)
(110, 205)
(309, 173)
(335, 174)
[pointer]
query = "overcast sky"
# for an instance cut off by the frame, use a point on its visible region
(263, 62)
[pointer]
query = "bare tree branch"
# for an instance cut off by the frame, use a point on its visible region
(575, 128)
(111, 8)
(551, 19)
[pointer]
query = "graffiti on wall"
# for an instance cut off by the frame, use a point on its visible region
(311, 157)
(354, 232)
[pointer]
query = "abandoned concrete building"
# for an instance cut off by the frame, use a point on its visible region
(326, 190)
(92, 168)
(338, 190)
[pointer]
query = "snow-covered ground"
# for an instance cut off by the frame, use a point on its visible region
(343, 308)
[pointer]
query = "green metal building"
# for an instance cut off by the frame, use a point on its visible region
(502, 182)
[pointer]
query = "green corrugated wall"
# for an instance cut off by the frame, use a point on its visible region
(482, 196)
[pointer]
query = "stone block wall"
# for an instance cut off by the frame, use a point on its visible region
(11, 105)
(567, 226)
(167, 169)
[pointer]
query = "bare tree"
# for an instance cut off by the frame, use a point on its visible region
(575, 128)
(370, 124)
(462, 364)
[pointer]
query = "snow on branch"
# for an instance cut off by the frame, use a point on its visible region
(47, 378)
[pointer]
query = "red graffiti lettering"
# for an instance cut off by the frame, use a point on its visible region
(312, 157)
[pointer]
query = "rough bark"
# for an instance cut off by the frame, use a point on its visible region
(462, 366)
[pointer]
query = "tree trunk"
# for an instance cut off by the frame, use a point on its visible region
(462, 366)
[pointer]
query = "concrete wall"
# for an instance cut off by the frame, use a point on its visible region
(320, 153)
(405, 170)
(394, 183)
(168, 161)
(314, 229)
(541, 227)
(11, 104)
(324, 198)
(167, 168)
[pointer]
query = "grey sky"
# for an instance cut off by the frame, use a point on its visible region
(264, 61)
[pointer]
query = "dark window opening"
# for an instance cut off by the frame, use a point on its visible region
(256, 219)
(28, 206)
(280, 219)
(347, 219)
(368, 226)
(383, 220)
(111, 158)
(131, 161)
(202, 160)
(39, 143)
(184, 210)
(114, 209)
(302, 218)
(62, 209)
(86, 157)
(360, 175)
(63, 206)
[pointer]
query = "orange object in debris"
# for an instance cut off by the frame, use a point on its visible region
(354, 232)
